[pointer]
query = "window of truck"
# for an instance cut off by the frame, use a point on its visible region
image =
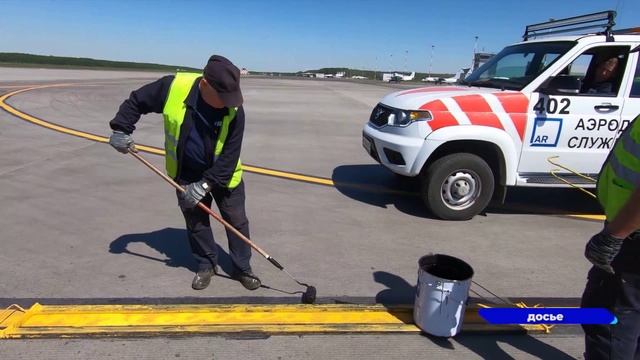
(635, 89)
(516, 66)
(594, 68)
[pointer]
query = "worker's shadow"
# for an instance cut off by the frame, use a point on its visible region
(374, 185)
(401, 292)
(170, 242)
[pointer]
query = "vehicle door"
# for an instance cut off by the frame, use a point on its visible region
(572, 119)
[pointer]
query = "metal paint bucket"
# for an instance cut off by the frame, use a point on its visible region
(441, 294)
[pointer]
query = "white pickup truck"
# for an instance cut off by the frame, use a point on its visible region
(535, 100)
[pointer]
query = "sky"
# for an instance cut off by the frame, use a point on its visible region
(285, 35)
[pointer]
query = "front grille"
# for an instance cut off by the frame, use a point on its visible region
(380, 115)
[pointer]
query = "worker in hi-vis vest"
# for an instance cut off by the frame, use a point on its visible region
(203, 126)
(614, 280)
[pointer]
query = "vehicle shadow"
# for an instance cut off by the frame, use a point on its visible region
(400, 292)
(170, 242)
(375, 185)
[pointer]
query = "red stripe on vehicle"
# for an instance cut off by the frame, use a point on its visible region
(441, 115)
(478, 110)
(516, 105)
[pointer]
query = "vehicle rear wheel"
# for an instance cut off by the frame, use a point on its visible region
(457, 186)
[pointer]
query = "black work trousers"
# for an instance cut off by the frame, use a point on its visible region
(203, 247)
(620, 294)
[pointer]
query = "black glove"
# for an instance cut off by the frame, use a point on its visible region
(193, 194)
(122, 142)
(601, 250)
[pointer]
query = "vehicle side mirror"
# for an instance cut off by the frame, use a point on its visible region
(561, 85)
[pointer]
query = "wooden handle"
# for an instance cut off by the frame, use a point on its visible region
(201, 205)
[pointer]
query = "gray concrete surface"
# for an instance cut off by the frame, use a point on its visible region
(318, 347)
(80, 220)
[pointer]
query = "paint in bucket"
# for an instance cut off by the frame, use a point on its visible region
(441, 294)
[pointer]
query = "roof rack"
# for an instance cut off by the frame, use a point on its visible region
(604, 19)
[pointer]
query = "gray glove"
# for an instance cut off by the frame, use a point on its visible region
(601, 250)
(122, 142)
(193, 194)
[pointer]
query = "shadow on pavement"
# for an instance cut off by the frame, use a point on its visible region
(169, 242)
(486, 346)
(375, 185)
(173, 244)
(399, 291)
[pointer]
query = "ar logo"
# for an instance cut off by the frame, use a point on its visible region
(546, 132)
(541, 139)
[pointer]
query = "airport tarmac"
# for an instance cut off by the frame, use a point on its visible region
(82, 223)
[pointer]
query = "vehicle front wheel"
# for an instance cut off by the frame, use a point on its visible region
(457, 186)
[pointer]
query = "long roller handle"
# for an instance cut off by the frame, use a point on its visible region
(207, 210)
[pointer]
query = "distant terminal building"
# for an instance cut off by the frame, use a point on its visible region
(479, 59)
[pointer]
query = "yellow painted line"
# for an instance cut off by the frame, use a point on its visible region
(288, 175)
(145, 148)
(159, 151)
(110, 320)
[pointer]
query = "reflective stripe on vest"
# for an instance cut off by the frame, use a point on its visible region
(174, 112)
(620, 175)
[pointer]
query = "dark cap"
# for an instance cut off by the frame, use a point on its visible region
(224, 77)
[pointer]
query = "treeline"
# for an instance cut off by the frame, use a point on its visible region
(63, 61)
(20, 59)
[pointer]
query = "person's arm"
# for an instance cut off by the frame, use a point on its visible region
(628, 218)
(604, 246)
(220, 174)
(147, 99)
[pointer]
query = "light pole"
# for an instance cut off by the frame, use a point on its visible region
(475, 51)
(406, 56)
(375, 69)
(431, 63)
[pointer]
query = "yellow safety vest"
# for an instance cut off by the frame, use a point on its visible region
(620, 175)
(174, 111)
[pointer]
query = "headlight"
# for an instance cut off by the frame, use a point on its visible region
(404, 118)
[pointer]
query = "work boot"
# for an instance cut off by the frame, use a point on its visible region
(248, 279)
(202, 278)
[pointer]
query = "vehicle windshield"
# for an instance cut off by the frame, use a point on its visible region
(516, 66)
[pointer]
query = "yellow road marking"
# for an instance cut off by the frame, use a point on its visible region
(283, 174)
(145, 148)
(159, 151)
(83, 320)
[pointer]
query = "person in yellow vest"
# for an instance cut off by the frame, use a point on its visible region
(203, 126)
(614, 280)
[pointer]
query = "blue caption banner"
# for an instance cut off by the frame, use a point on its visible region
(547, 316)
